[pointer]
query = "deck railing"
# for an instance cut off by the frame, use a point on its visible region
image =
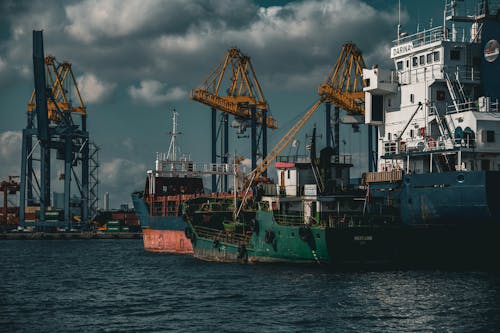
(222, 235)
(289, 220)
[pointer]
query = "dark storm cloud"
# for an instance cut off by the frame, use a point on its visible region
(148, 54)
(132, 40)
(99, 20)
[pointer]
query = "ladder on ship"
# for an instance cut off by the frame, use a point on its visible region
(445, 162)
(446, 128)
(317, 176)
(456, 91)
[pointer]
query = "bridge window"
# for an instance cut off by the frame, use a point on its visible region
(435, 54)
(429, 58)
(454, 54)
(415, 61)
(440, 95)
(412, 98)
(399, 65)
(422, 60)
(490, 136)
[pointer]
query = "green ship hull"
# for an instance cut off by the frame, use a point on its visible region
(262, 237)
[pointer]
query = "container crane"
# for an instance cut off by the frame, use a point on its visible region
(343, 87)
(344, 84)
(61, 80)
(244, 100)
(9, 215)
(57, 127)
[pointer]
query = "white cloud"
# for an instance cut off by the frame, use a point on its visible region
(189, 43)
(120, 177)
(92, 89)
(154, 92)
(10, 153)
(128, 143)
(3, 65)
(92, 19)
(118, 172)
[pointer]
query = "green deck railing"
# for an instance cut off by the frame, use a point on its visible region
(223, 236)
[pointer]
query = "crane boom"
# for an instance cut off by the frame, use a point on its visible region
(242, 91)
(278, 148)
(60, 79)
(344, 83)
(284, 141)
(237, 106)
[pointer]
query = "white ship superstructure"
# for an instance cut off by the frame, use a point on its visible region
(438, 110)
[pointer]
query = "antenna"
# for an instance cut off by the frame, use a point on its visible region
(418, 20)
(399, 19)
(172, 149)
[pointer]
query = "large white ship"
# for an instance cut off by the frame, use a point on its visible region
(438, 119)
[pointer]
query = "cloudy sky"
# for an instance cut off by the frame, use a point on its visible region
(135, 61)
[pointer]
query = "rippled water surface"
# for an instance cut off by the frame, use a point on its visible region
(113, 285)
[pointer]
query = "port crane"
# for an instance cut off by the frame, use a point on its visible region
(232, 87)
(9, 215)
(61, 80)
(343, 87)
(56, 121)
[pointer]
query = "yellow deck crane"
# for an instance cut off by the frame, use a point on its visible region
(343, 87)
(232, 87)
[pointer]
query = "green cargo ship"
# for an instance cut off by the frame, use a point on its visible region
(293, 221)
(259, 236)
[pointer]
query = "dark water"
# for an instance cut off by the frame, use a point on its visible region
(113, 285)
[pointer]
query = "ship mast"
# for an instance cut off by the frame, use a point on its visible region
(173, 148)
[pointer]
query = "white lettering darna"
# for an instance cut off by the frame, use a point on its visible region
(400, 49)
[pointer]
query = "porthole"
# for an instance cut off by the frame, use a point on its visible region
(460, 178)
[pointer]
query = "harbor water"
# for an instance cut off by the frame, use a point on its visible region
(115, 286)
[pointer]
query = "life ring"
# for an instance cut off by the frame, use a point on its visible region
(431, 142)
(269, 236)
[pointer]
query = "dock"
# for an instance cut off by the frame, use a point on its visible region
(68, 235)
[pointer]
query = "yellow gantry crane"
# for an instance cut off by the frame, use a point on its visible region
(343, 87)
(232, 87)
(344, 84)
(60, 79)
(244, 89)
